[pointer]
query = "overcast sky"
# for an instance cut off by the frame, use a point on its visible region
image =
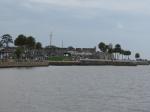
(80, 23)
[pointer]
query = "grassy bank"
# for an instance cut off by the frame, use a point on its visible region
(59, 58)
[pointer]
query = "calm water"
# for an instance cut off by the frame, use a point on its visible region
(75, 89)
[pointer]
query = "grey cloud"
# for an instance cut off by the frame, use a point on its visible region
(79, 21)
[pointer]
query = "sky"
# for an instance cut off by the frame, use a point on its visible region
(80, 23)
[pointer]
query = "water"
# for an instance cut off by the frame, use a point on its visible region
(75, 89)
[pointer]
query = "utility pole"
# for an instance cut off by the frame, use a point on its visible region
(62, 44)
(51, 36)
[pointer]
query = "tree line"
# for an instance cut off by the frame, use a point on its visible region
(117, 51)
(29, 42)
(21, 41)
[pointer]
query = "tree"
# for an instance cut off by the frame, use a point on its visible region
(38, 45)
(102, 46)
(110, 52)
(122, 53)
(71, 48)
(129, 54)
(6, 39)
(20, 40)
(1, 44)
(52, 47)
(117, 50)
(30, 42)
(18, 52)
(137, 55)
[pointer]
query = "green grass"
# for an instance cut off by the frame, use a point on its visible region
(59, 58)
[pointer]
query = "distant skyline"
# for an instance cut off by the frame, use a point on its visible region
(80, 23)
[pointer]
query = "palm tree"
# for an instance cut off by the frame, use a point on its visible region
(117, 50)
(6, 39)
(128, 53)
(102, 46)
(110, 50)
(122, 53)
(137, 55)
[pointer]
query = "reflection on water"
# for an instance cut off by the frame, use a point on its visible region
(75, 89)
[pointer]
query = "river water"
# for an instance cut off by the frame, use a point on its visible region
(75, 89)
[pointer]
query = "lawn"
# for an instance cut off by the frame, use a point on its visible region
(59, 58)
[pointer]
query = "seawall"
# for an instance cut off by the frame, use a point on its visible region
(93, 63)
(83, 62)
(143, 62)
(23, 64)
(109, 62)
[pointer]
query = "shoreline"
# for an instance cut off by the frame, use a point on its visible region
(83, 62)
(92, 63)
(23, 64)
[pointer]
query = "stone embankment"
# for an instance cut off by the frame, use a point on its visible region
(23, 64)
(143, 62)
(93, 62)
(97, 62)
(108, 62)
(83, 62)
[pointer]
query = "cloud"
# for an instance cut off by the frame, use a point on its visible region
(120, 25)
(112, 5)
(77, 21)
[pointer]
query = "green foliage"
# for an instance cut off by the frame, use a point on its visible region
(20, 41)
(6, 39)
(1, 44)
(137, 55)
(18, 52)
(122, 52)
(117, 48)
(38, 45)
(27, 42)
(52, 47)
(30, 42)
(59, 58)
(110, 50)
(103, 47)
(71, 48)
(128, 53)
